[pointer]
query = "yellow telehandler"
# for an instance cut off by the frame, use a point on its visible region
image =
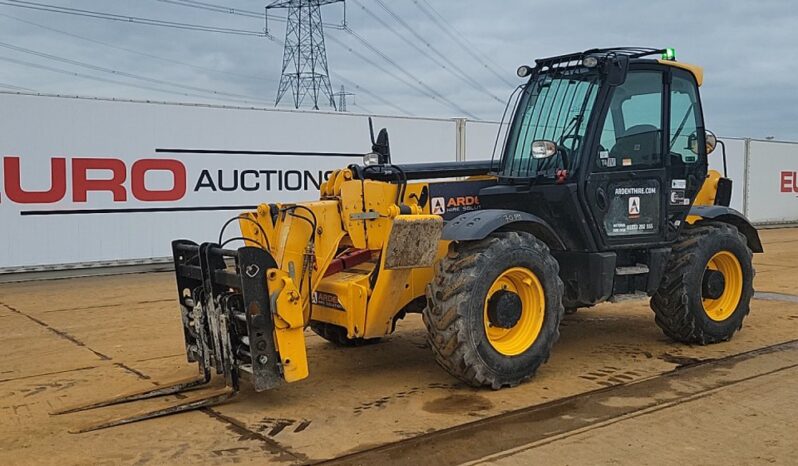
(602, 190)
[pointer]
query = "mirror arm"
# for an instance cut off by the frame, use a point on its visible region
(723, 152)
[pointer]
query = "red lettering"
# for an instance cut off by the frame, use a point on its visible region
(786, 182)
(13, 184)
(139, 187)
(789, 182)
(81, 184)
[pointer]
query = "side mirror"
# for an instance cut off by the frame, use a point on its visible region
(543, 149)
(710, 139)
(380, 149)
(615, 69)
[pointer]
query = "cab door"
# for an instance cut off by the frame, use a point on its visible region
(627, 176)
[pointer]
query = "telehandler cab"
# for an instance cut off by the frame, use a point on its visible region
(602, 191)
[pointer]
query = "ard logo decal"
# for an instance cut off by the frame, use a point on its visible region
(634, 206)
(438, 206)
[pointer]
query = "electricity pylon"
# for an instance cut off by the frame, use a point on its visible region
(305, 55)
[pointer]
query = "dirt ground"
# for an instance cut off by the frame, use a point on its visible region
(74, 340)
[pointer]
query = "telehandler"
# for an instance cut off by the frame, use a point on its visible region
(602, 191)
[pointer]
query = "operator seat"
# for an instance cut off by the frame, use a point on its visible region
(640, 144)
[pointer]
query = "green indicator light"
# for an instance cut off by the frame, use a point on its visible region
(669, 54)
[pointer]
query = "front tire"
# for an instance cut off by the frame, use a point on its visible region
(708, 285)
(494, 309)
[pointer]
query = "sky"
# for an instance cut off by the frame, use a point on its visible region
(460, 65)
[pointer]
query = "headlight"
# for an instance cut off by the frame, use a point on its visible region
(372, 158)
(589, 61)
(523, 71)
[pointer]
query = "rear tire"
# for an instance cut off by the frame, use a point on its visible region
(463, 335)
(337, 335)
(682, 308)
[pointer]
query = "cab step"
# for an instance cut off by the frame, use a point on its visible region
(638, 269)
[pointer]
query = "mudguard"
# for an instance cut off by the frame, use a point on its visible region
(719, 213)
(477, 225)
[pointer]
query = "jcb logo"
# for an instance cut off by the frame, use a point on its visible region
(462, 201)
(789, 182)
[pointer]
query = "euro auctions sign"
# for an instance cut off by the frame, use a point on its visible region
(144, 180)
(82, 209)
(84, 181)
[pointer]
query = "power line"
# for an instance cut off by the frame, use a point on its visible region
(429, 92)
(416, 47)
(421, 87)
(461, 40)
(123, 73)
(136, 52)
(467, 77)
(362, 108)
(145, 21)
(112, 81)
(130, 19)
(17, 88)
(447, 64)
(218, 8)
(374, 96)
(351, 83)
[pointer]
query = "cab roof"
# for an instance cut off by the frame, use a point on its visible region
(635, 54)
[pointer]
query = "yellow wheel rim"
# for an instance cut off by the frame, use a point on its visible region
(727, 264)
(518, 338)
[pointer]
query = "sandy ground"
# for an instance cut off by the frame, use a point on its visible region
(74, 340)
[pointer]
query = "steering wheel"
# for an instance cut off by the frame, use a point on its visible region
(574, 148)
(575, 145)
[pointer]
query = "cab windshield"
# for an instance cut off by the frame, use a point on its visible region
(555, 106)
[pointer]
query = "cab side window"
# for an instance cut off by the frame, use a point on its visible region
(631, 137)
(685, 118)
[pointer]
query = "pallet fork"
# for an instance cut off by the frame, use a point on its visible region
(227, 324)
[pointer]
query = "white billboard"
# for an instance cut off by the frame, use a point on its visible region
(87, 180)
(480, 137)
(772, 182)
